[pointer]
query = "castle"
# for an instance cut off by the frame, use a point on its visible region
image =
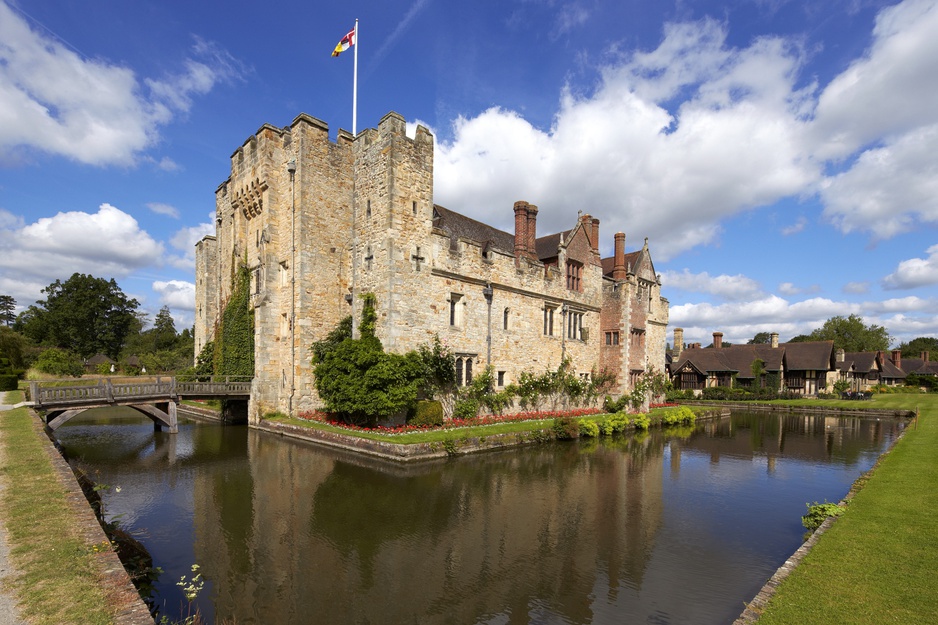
(320, 223)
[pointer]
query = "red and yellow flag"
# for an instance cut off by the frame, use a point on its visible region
(347, 42)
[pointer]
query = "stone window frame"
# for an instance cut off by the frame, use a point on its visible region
(549, 311)
(456, 311)
(612, 337)
(463, 363)
(574, 275)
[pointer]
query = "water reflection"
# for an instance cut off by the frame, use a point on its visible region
(673, 527)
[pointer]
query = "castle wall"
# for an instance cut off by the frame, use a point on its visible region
(320, 223)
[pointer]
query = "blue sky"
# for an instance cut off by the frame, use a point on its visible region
(781, 156)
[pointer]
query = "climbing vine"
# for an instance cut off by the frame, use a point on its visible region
(234, 337)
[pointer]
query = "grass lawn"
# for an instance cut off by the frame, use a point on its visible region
(57, 582)
(879, 562)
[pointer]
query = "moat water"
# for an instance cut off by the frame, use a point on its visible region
(674, 526)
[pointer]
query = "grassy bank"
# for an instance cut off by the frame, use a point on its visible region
(879, 562)
(57, 580)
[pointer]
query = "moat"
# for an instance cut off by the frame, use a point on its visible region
(674, 526)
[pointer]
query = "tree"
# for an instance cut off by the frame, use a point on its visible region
(164, 330)
(761, 338)
(801, 338)
(84, 314)
(915, 347)
(851, 335)
(7, 306)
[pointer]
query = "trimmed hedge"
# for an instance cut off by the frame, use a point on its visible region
(427, 413)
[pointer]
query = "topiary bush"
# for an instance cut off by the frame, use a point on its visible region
(427, 413)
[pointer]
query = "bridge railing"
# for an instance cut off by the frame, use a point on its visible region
(105, 390)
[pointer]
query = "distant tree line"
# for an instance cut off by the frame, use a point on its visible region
(84, 316)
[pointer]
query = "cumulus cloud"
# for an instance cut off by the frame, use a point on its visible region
(796, 227)
(735, 288)
(164, 209)
(674, 140)
(184, 241)
(89, 110)
(106, 243)
(177, 294)
(620, 154)
(915, 272)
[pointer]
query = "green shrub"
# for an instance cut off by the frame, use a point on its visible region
(615, 405)
(565, 428)
(466, 409)
(427, 413)
(641, 421)
(8, 381)
(55, 361)
(589, 428)
(679, 416)
(818, 513)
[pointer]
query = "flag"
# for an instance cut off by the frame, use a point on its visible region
(347, 42)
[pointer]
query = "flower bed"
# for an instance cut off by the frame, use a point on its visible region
(452, 424)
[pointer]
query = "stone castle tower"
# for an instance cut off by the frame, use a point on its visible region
(318, 223)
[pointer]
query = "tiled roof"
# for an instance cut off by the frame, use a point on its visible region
(457, 225)
(546, 246)
(809, 356)
(733, 358)
(631, 259)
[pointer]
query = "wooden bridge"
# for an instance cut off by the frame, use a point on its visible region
(156, 397)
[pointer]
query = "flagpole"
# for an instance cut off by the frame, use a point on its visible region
(355, 85)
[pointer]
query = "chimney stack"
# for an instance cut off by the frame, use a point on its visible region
(678, 332)
(619, 273)
(595, 235)
(840, 355)
(774, 336)
(925, 356)
(521, 229)
(717, 340)
(532, 229)
(896, 358)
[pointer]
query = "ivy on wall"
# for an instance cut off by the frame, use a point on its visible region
(234, 337)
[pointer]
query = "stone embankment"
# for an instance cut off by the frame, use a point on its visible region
(400, 452)
(834, 411)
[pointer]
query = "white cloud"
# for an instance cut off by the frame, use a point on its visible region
(892, 90)
(107, 243)
(915, 272)
(734, 144)
(88, 110)
(176, 294)
(789, 288)
(796, 227)
(164, 209)
(738, 287)
(889, 189)
(856, 287)
(184, 240)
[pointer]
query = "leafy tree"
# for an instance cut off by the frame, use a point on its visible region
(7, 306)
(761, 338)
(84, 314)
(164, 329)
(13, 346)
(915, 347)
(56, 361)
(852, 335)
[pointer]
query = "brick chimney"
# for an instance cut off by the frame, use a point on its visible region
(595, 236)
(896, 358)
(774, 337)
(521, 229)
(678, 332)
(618, 273)
(532, 229)
(925, 356)
(717, 340)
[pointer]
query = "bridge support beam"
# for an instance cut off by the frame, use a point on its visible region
(162, 413)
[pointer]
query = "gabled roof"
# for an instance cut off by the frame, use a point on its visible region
(809, 356)
(919, 366)
(892, 371)
(631, 259)
(548, 246)
(99, 359)
(863, 362)
(736, 359)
